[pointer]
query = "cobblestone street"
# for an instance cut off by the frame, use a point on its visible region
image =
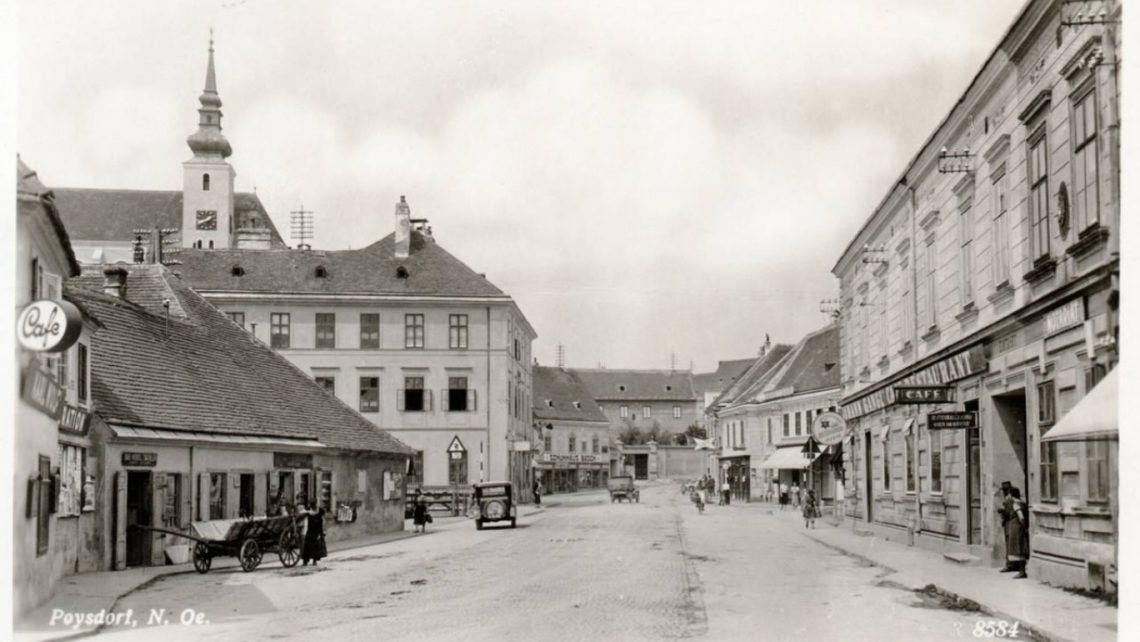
(579, 568)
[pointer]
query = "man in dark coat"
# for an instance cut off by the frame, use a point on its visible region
(314, 545)
(1003, 503)
(1017, 534)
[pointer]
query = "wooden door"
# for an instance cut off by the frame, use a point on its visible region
(120, 526)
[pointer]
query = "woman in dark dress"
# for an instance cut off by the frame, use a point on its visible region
(1017, 535)
(420, 514)
(314, 546)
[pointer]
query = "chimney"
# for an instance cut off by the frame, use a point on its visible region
(403, 229)
(115, 282)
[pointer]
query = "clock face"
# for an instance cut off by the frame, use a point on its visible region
(207, 220)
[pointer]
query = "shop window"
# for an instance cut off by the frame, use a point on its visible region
(324, 489)
(887, 463)
(369, 394)
(326, 330)
(217, 496)
(279, 330)
(304, 486)
(72, 465)
(911, 473)
(935, 461)
(1046, 403)
(1097, 454)
(172, 501)
(1049, 472)
(370, 331)
(457, 336)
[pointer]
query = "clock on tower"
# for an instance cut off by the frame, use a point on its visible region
(207, 220)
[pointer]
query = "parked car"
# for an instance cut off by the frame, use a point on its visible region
(622, 488)
(493, 502)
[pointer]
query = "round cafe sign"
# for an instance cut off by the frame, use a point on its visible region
(49, 326)
(828, 428)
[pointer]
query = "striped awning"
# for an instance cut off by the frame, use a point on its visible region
(788, 458)
(160, 434)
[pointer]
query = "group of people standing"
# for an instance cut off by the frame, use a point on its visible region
(1014, 513)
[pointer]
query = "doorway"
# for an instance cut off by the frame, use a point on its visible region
(868, 491)
(139, 493)
(641, 466)
(1010, 445)
(245, 495)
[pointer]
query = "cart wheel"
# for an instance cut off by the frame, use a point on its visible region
(202, 557)
(250, 555)
(289, 548)
(512, 522)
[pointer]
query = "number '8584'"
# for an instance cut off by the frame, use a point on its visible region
(996, 629)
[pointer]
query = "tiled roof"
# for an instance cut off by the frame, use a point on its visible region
(112, 214)
(726, 373)
(814, 364)
(556, 391)
(199, 372)
(760, 371)
(32, 195)
(430, 271)
(638, 385)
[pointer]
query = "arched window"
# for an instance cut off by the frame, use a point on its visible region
(211, 245)
(198, 244)
(205, 182)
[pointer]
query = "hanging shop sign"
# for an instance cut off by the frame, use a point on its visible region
(924, 394)
(967, 363)
(828, 428)
(1067, 316)
(40, 390)
(292, 460)
(49, 326)
(952, 420)
(73, 420)
(140, 459)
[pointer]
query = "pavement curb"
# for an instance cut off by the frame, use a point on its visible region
(1031, 631)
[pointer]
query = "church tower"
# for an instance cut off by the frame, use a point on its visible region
(207, 179)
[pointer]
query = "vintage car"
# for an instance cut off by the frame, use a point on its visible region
(622, 488)
(493, 503)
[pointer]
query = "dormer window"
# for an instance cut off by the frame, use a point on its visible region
(205, 182)
(321, 272)
(401, 272)
(577, 404)
(237, 270)
(549, 403)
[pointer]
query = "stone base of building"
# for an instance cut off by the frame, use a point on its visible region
(925, 540)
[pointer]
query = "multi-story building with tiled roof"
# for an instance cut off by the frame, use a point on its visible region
(644, 398)
(573, 433)
(400, 330)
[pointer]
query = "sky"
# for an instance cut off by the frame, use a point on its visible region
(655, 184)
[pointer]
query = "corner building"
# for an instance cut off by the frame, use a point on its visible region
(988, 278)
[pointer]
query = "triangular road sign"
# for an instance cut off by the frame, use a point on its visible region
(456, 446)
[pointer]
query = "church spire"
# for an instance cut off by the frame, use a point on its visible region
(208, 141)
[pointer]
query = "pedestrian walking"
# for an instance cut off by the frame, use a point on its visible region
(726, 491)
(796, 495)
(710, 487)
(420, 516)
(1017, 534)
(811, 509)
(537, 492)
(698, 498)
(313, 548)
(783, 495)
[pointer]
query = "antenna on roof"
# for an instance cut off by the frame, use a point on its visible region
(301, 227)
(672, 361)
(560, 359)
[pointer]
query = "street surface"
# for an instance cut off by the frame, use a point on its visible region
(581, 569)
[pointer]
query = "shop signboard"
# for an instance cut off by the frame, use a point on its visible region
(1067, 316)
(963, 364)
(828, 428)
(140, 459)
(41, 391)
(923, 394)
(49, 326)
(73, 420)
(952, 420)
(292, 460)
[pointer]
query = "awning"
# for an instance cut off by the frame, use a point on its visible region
(788, 458)
(908, 426)
(1094, 417)
(734, 454)
(883, 431)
